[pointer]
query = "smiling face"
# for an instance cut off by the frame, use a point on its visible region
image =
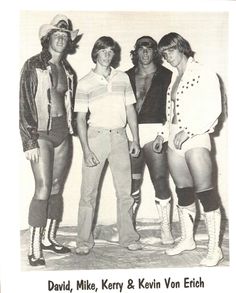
(105, 56)
(145, 55)
(58, 41)
(173, 56)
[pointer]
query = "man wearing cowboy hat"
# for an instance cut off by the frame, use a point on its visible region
(47, 89)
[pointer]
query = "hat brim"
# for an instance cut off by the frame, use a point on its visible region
(46, 28)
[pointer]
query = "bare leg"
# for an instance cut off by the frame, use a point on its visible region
(158, 169)
(200, 165)
(182, 177)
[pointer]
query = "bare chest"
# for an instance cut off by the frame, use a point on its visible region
(175, 88)
(143, 84)
(59, 80)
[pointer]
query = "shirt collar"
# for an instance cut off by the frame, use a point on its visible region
(113, 73)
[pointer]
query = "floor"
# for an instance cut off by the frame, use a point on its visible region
(107, 254)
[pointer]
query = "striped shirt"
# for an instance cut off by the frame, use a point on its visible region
(105, 99)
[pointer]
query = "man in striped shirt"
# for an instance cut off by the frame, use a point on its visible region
(104, 102)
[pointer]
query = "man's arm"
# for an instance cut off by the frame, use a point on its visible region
(90, 158)
(133, 125)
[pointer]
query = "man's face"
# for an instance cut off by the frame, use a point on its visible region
(105, 56)
(173, 56)
(58, 41)
(145, 55)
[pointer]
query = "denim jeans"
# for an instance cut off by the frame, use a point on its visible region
(111, 145)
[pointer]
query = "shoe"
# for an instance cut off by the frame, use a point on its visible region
(183, 245)
(134, 246)
(36, 261)
(56, 248)
(35, 255)
(212, 260)
(83, 250)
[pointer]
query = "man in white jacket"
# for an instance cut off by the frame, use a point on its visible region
(193, 107)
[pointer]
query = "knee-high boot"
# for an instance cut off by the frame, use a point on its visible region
(164, 208)
(35, 255)
(49, 241)
(186, 218)
(214, 254)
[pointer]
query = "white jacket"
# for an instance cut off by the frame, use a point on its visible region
(198, 101)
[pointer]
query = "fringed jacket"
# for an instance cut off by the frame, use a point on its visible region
(35, 98)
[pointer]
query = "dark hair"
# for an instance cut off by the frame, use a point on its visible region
(103, 43)
(71, 45)
(153, 44)
(174, 40)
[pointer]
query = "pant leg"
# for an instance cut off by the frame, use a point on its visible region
(89, 189)
(119, 161)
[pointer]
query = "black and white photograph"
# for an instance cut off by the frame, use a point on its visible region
(123, 143)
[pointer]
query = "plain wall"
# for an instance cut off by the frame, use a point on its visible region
(208, 36)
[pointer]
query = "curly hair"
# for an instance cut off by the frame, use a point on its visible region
(103, 43)
(157, 59)
(174, 40)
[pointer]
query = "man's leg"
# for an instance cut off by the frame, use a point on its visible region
(137, 169)
(62, 158)
(99, 144)
(200, 165)
(186, 202)
(42, 171)
(119, 161)
(158, 169)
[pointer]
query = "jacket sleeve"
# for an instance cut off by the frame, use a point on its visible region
(28, 113)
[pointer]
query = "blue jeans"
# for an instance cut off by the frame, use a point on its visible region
(111, 145)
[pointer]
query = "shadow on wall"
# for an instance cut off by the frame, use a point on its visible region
(221, 120)
(224, 105)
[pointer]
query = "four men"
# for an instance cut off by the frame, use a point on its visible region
(107, 100)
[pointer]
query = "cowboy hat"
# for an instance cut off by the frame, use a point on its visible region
(59, 22)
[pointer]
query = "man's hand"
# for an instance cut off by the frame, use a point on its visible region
(32, 155)
(90, 159)
(158, 144)
(134, 149)
(179, 139)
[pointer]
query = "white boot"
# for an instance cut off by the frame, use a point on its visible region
(186, 218)
(35, 254)
(214, 254)
(49, 241)
(163, 207)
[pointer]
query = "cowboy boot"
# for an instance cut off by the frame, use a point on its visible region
(163, 208)
(186, 218)
(214, 254)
